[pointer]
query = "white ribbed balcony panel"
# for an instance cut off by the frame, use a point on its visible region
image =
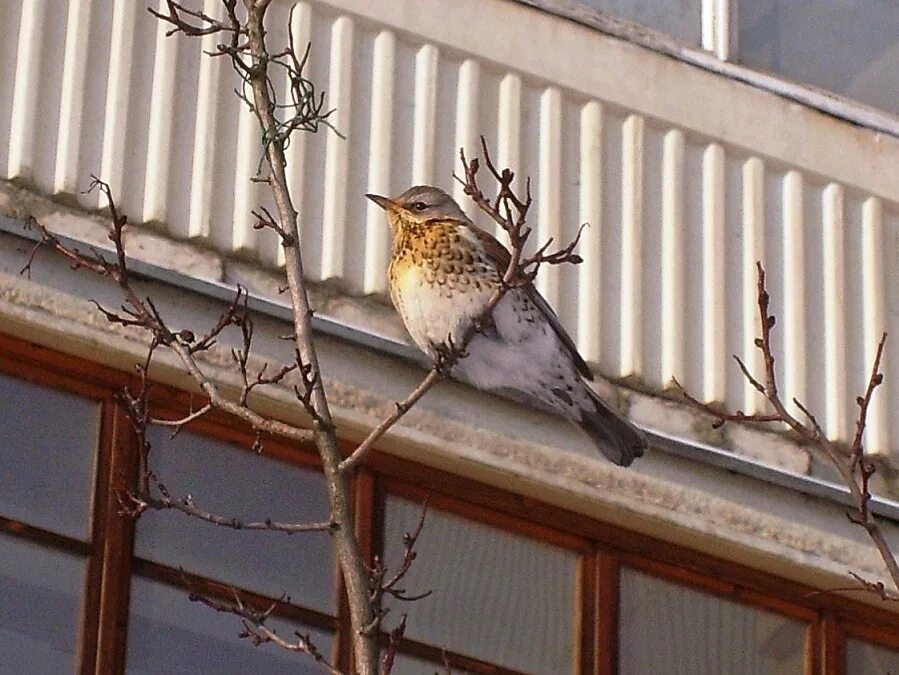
(685, 178)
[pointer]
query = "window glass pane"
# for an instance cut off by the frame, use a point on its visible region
(167, 633)
(404, 664)
(496, 596)
(48, 442)
(847, 46)
(679, 18)
(669, 628)
(40, 607)
(863, 658)
(227, 480)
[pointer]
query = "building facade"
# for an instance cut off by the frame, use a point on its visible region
(695, 138)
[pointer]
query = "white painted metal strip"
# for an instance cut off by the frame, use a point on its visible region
(206, 123)
(466, 126)
(508, 132)
(71, 105)
(426, 62)
(589, 325)
(877, 435)
(159, 135)
(631, 354)
(115, 118)
(337, 149)
(753, 252)
(248, 153)
(377, 234)
(717, 32)
(295, 152)
(834, 332)
(794, 313)
(549, 190)
(713, 260)
(20, 161)
(673, 287)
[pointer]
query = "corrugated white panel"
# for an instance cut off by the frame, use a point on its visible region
(836, 416)
(678, 213)
(339, 100)
(70, 109)
(20, 160)
(672, 262)
(591, 195)
(115, 118)
(753, 223)
(159, 142)
(549, 188)
(631, 359)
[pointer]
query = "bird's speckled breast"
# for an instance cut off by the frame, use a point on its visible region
(438, 279)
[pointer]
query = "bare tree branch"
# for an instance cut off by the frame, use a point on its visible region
(256, 630)
(856, 469)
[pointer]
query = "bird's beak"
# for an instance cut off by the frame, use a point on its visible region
(383, 202)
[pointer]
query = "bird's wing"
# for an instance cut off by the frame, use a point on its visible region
(501, 256)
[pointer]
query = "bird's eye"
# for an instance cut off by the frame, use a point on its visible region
(419, 206)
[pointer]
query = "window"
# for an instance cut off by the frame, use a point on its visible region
(680, 18)
(849, 47)
(518, 586)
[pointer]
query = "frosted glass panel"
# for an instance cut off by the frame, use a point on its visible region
(409, 665)
(669, 628)
(234, 482)
(48, 444)
(496, 596)
(848, 46)
(40, 607)
(168, 634)
(863, 658)
(680, 18)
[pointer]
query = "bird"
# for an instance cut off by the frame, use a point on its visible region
(443, 271)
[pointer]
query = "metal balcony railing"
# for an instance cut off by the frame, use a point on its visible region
(686, 178)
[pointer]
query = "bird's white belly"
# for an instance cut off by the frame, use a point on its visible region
(434, 313)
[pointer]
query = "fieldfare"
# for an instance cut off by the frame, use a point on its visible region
(442, 273)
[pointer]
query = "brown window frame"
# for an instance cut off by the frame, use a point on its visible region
(603, 548)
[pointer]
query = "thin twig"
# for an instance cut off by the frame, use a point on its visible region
(855, 469)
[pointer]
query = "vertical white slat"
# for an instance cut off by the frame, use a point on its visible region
(589, 298)
(631, 351)
(377, 234)
(466, 125)
(508, 131)
(206, 123)
(719, 35)
(337, 149)
(24, 112)
(159, 132)
(794, 291)
(295, 152)
(549, 190)
(426, 62)
(834, 332)
(248, 153)
(874, 313)
(753, 252)
(71, 104)
(713, 261)
(673, 298)
(115, 118)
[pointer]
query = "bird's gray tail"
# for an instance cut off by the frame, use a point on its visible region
(618, 439)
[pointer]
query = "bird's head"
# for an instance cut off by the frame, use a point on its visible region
(418, 205)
